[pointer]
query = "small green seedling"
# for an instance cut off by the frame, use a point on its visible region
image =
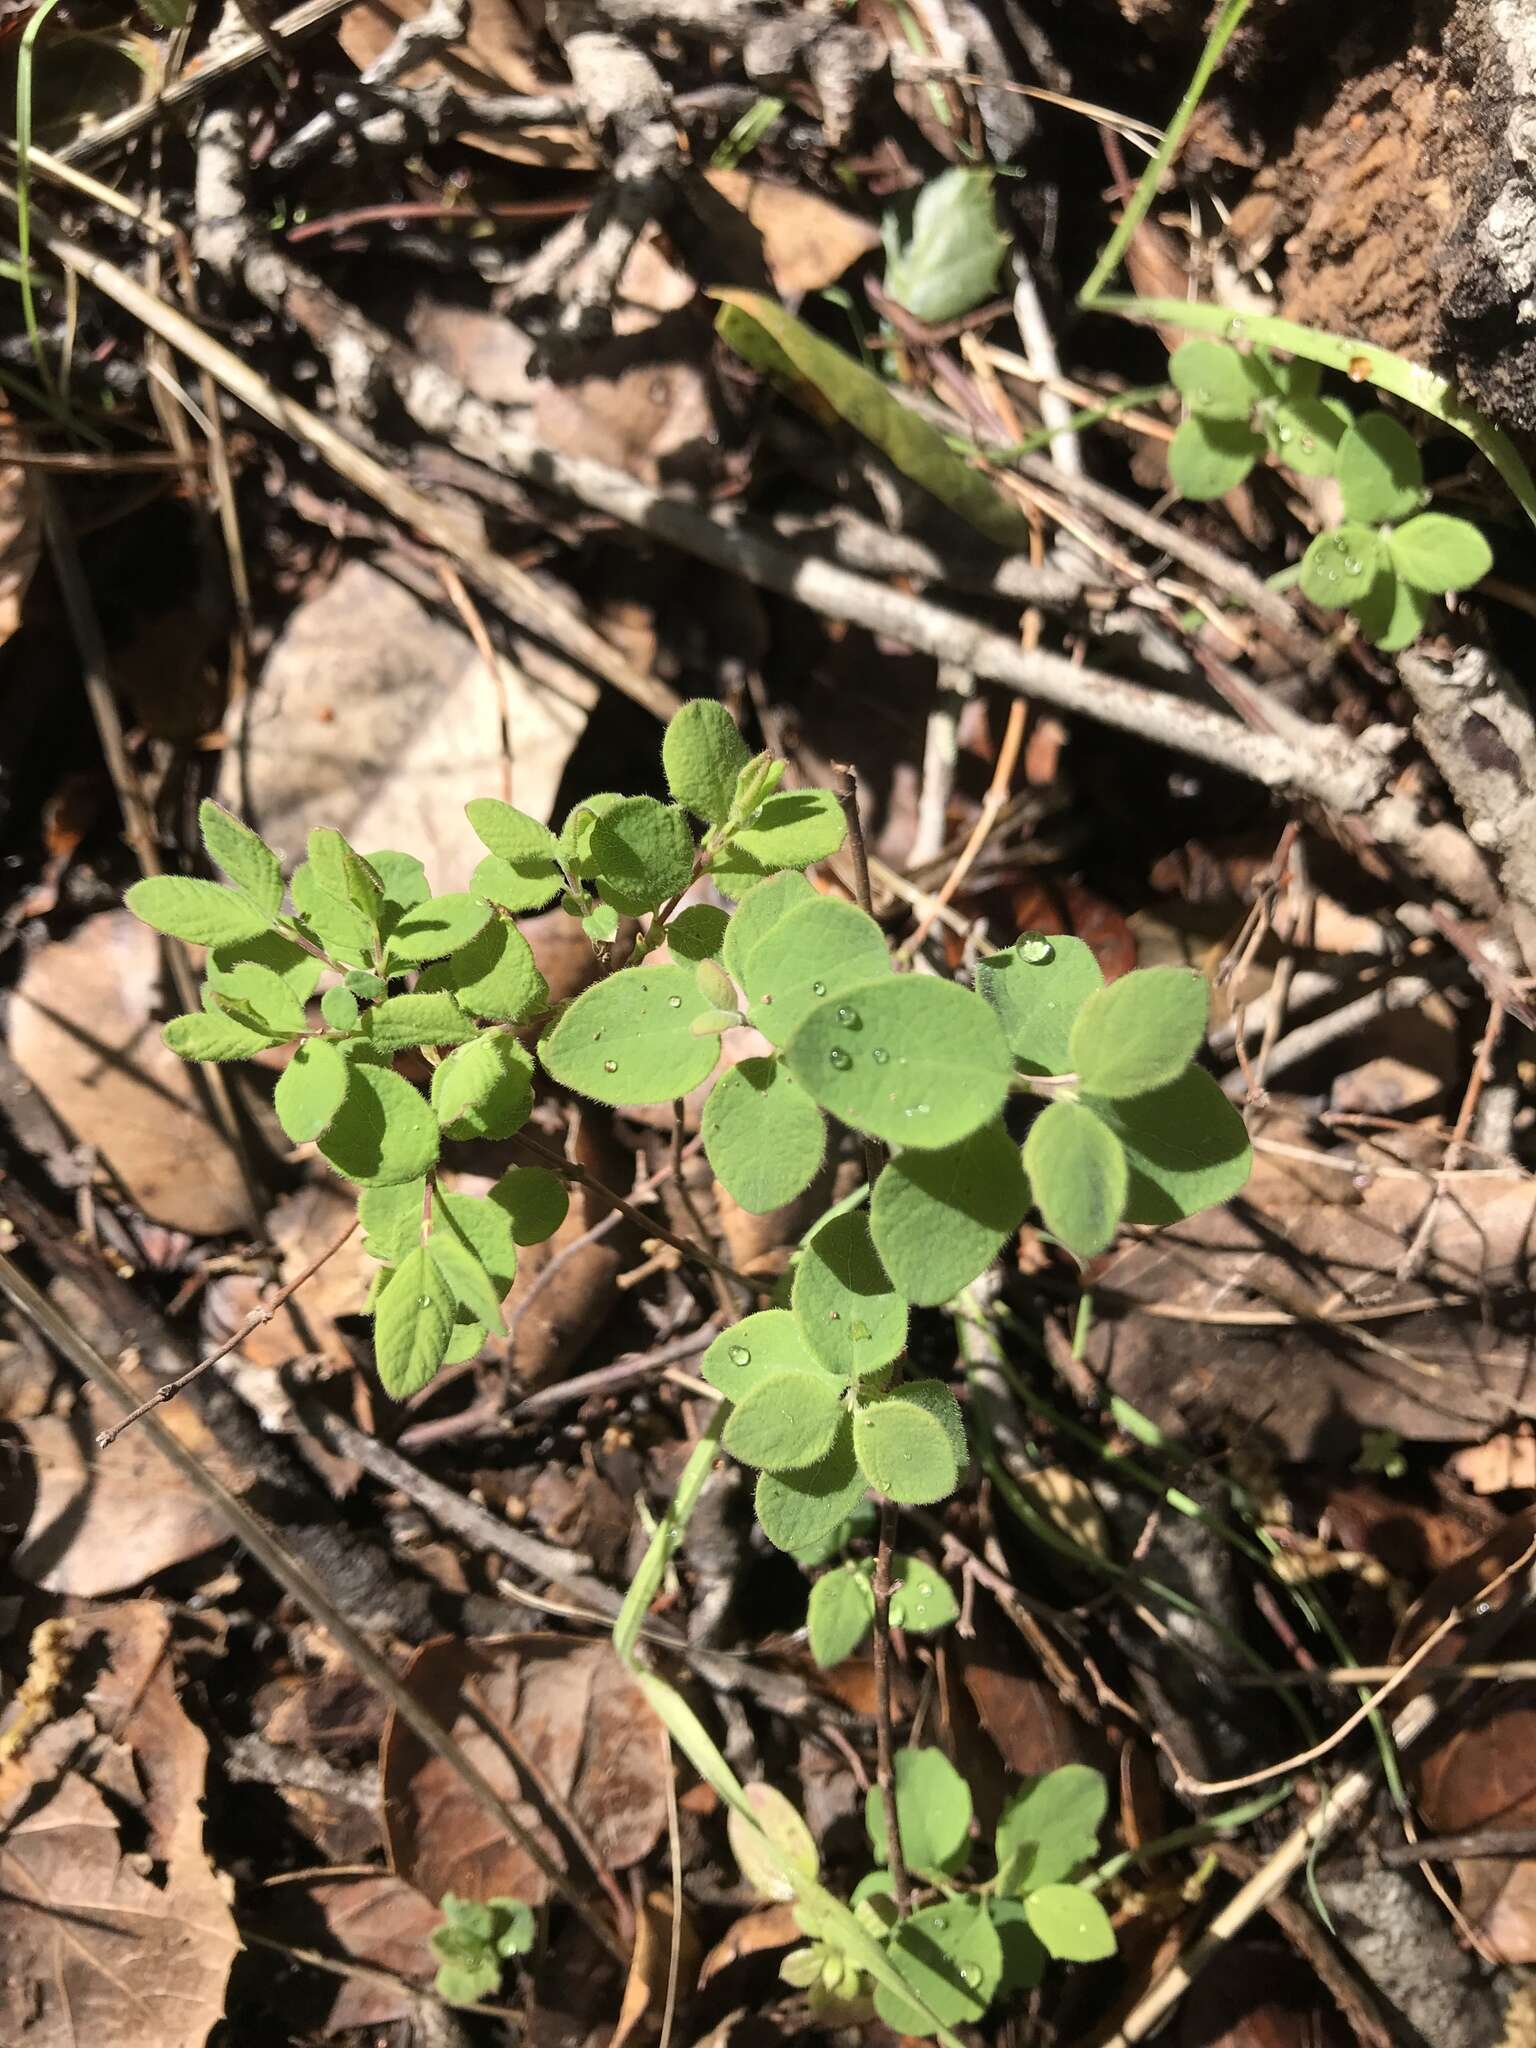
(970, 1943)
(1240, 403)
(1389, 557)
(475, 1942)
(946, 261)
(842, 1605)
(1130, 1129)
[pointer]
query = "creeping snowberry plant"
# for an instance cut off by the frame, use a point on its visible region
(1040, 1084)
(976, 1939)
(1389, 557)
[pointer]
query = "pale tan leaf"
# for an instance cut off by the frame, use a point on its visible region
(807, 241)
(85, 1030)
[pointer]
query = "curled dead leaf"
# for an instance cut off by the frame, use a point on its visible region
(562, 1731)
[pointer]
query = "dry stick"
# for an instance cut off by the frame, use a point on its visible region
(885, 1761)
(518, 593)
(1412, 1261)
(1314, 762)
(193, 84)
(1455, 1848)
(296, 1579)
(263, 1313)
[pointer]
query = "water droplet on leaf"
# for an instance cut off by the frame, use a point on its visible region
(610, 1066)
(847, 1016)
(1036, 950)
(818, 988)
(879, 1055)
(841, 1058)
(740, 1355)
(423, 1301)
(674, 1002)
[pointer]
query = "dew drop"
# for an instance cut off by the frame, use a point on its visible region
(938, 1923)
(818, 988)
(1235, 330)
(969, 1973)
(1283, 435)
(922, 1109)
(879, 1055)
(1352, 568)
(847, 1016)
(834, 1315)
(423, 1301)
(740, 1355)
(766, 1001)
(840, 1058)
(674, 1002)
(596, 1036)
(1036, 950)
(610, 1066)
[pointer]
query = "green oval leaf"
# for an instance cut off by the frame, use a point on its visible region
(1392, 614)
(1037, 988)
(838, 1618)
(202, 913)
(258, 995)
(702, 753)
(1141, 1031)
(417, 1019)
(1070, 1923)
(628, 1039)
(798, 1511)
(1436, 552)
(384, 1130)
(1078, 1175)
(698, 933)
(1214, 380)
(951, 1956)
(848, 1312)
(1380, 471)
(767, 1343)
(948, 262)
(477, 1295)
(921, 1600)
(211, 1035)
(1050, 1826)
(784, 1828)
(485, 1089)
(643, 853)
(1341, 566)
(300, 971)
(1186, 1148)
(1305, 432)
(793, 828)
(1024, 1959)
(810, 956)
(244, 856)
(494, 976)
(933, 1811)
(412, 1325)
(758, 912)
(310, 1089)
(763, 1136)
(430, 930)
(912, 1059)
(794, 356)
(392, 1219)
(905, 1451)
(940, 1218)
(787, 1421)
(535, 1202)
(524, 872)
(341, 1009)
(1209, 457)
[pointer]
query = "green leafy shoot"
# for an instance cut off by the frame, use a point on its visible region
(946, 260)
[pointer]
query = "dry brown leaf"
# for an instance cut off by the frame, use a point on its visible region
(1506, 1462)
(100, 1950)
(1262, 1996)
(379, 1921)
(300, 1225)
(21, 540)
(381, 720)
(1213, 1325)
(807, 241)
(103, 1521)
(1484, 1776)
(497, 55)
(85, 1032)
(645, 1991)
(767, 1928)
(542, 1717)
